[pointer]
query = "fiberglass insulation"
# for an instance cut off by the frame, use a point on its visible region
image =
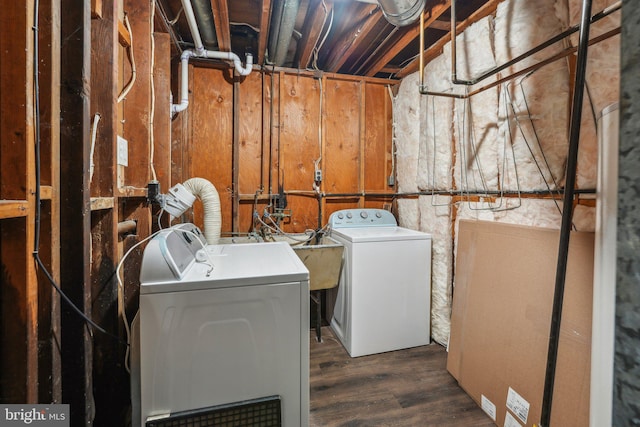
(512, 137)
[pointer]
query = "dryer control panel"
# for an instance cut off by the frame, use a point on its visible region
(170, 253)
(362, 218)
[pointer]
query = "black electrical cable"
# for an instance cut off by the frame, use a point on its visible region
(38, 200)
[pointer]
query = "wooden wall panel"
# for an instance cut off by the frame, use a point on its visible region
(161, 120)
(299, 146)
(210, 148)
(377, 140)
(13, 325)
(280, 139)
(342, 153)
(137, 104)
(250, 138)
(15, 68)
(104, 91)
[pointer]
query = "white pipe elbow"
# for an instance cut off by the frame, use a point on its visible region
(246, 70)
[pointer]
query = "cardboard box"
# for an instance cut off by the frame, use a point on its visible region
(501, 314)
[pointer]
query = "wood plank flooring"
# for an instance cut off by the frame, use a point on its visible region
(401, 388)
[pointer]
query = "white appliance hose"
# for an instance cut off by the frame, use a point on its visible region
(207, 193)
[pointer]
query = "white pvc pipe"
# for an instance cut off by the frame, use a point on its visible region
(184, 82)
(193, 25)
(243, 71)
(207, 193)
(201, 52)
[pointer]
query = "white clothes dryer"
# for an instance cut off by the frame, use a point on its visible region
(384, 295)
(223, 332)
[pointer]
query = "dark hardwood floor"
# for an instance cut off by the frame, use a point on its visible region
(400, 388)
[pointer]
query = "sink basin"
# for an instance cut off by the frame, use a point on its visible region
(322, 259)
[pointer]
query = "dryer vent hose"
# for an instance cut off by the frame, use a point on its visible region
(208, 194)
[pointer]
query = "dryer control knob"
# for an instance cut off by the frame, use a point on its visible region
(349, 215)
(378, 215)
(201, 256)
(340, 215)
(364, 214)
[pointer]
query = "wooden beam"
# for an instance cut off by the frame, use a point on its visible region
(414, 32)
(436, 49)
(137, 106)
(313, 24)
(96, 9)
(75, 280)
(101, 203)
(220, 10)
(264, 30)
(13, 208)
(349, 42)
(123, 35)
(441, 24)
(49, 369)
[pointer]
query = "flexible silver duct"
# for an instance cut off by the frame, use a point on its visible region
(204, 18)
(282, 25)
(401, 12)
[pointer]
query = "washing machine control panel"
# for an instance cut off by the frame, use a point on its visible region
(362, 218)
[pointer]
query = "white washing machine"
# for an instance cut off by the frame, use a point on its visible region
(384, 295)
(221, 334)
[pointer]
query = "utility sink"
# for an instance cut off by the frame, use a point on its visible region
(323, 259)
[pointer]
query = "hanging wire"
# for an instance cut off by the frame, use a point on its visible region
(528, 145)
(132, 79)
(434, 154)
(38, 178)
(318, 46)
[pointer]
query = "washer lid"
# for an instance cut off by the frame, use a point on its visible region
(237, 265)
(378, 234)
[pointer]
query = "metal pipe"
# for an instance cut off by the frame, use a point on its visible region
(598, 16)
(571, 30)
(127, 227)
(401, 12)
(527, 70)
(421, 62)
(283, 22)
(567, 213)
(204, 18)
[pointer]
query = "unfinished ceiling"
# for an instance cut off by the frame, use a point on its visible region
(337, 36)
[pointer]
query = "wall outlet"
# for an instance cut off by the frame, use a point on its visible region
(318, 175)
(123, 151)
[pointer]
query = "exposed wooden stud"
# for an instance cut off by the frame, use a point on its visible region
(367, 18)
(430, 16)
(265, 15)
(101, 203)
(13, 208)
(49, 370)
(441, 24)
(162, 115)
(436, 49)
(96, 9)
(137, 106)
(313, 24)
(220, 10)
(362, 140)
(75, 278)
(124, 38)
